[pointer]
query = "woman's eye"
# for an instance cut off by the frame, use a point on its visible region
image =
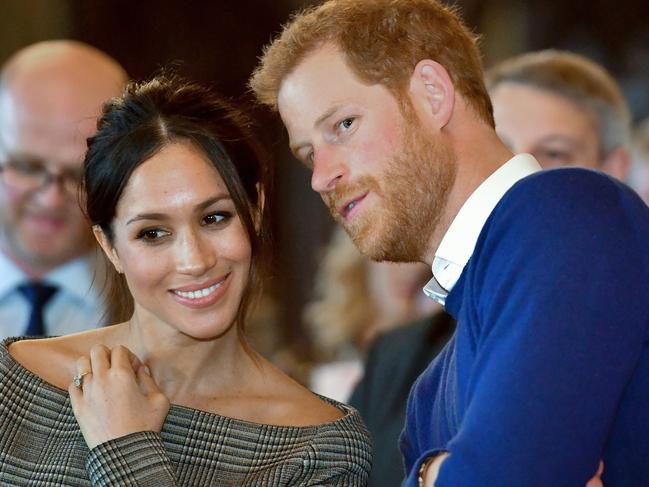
(152, 234)
(215, 218)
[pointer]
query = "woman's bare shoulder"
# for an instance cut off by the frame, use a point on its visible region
(54, 359)
(296, 405)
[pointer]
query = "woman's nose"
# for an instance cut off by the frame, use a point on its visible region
(194, 255)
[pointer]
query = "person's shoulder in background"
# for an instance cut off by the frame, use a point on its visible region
(394, 362)
(396, 359)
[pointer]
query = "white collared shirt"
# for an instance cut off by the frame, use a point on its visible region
(76, 306)
(459, 241)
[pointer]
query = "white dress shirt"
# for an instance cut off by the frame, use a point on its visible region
(76, 306)
(458, 243)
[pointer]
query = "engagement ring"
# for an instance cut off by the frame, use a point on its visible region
(78, 380)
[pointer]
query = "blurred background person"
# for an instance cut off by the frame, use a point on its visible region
(50, 95)
(219, 43)
(639, 173)
(562, 108)
(394, 361)
(356, 299)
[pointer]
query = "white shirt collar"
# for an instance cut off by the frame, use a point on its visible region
(81, 277)
(11, 274)
(459, 241)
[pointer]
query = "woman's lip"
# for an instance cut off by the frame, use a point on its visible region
(203, 301)
(204, 285)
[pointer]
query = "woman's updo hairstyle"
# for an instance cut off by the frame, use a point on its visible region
(167, 109)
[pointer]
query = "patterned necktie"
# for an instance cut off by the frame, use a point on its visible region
(38, 295)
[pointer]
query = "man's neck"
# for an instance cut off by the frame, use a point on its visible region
(476, 161)
(33, 270)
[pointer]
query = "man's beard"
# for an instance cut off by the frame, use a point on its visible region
(412, 191)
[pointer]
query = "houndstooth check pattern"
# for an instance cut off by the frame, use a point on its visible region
(41, 445)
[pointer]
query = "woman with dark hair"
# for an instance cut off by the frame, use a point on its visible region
(174, 189)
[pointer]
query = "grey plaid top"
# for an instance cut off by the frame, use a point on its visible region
(41, 444)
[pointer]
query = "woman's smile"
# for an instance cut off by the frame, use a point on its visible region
(201, 296)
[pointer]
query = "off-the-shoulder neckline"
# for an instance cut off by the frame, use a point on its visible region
(348, 411)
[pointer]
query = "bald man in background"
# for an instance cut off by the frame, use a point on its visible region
(50, 96)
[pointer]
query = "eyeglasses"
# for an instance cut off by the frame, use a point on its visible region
(32, 176)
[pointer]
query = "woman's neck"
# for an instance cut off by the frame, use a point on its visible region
(187, 368)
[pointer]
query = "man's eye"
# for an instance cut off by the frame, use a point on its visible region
(26, 167)
(558, 155)
(554, 158)
(346, 124)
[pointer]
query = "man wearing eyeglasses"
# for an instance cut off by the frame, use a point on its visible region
(50, 96)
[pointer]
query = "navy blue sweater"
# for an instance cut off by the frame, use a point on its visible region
(548, 371)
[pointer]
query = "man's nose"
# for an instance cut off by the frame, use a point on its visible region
(53, 194)
(328, 170)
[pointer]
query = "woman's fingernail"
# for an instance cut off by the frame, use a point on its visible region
(147, 371)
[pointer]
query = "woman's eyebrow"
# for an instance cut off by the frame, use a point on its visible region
(163, 216)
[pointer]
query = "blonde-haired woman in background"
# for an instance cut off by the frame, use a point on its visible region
(356, 299)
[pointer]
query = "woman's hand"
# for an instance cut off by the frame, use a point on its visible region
(116, 396)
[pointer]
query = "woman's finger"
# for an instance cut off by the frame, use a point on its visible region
(82, 365)
(76, 396)
(121, 358)
(99, 359)
(135, 361)
(145, 381)
(83, 372)
(75, 389)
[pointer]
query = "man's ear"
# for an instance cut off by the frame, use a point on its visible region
(617, 164)
(432, 92)
(107, 247)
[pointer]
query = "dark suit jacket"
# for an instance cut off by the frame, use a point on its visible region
(393, 364)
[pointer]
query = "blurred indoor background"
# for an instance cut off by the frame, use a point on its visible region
(217, 42)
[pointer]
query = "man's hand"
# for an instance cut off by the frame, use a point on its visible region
(596, 481)
(431, 471)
